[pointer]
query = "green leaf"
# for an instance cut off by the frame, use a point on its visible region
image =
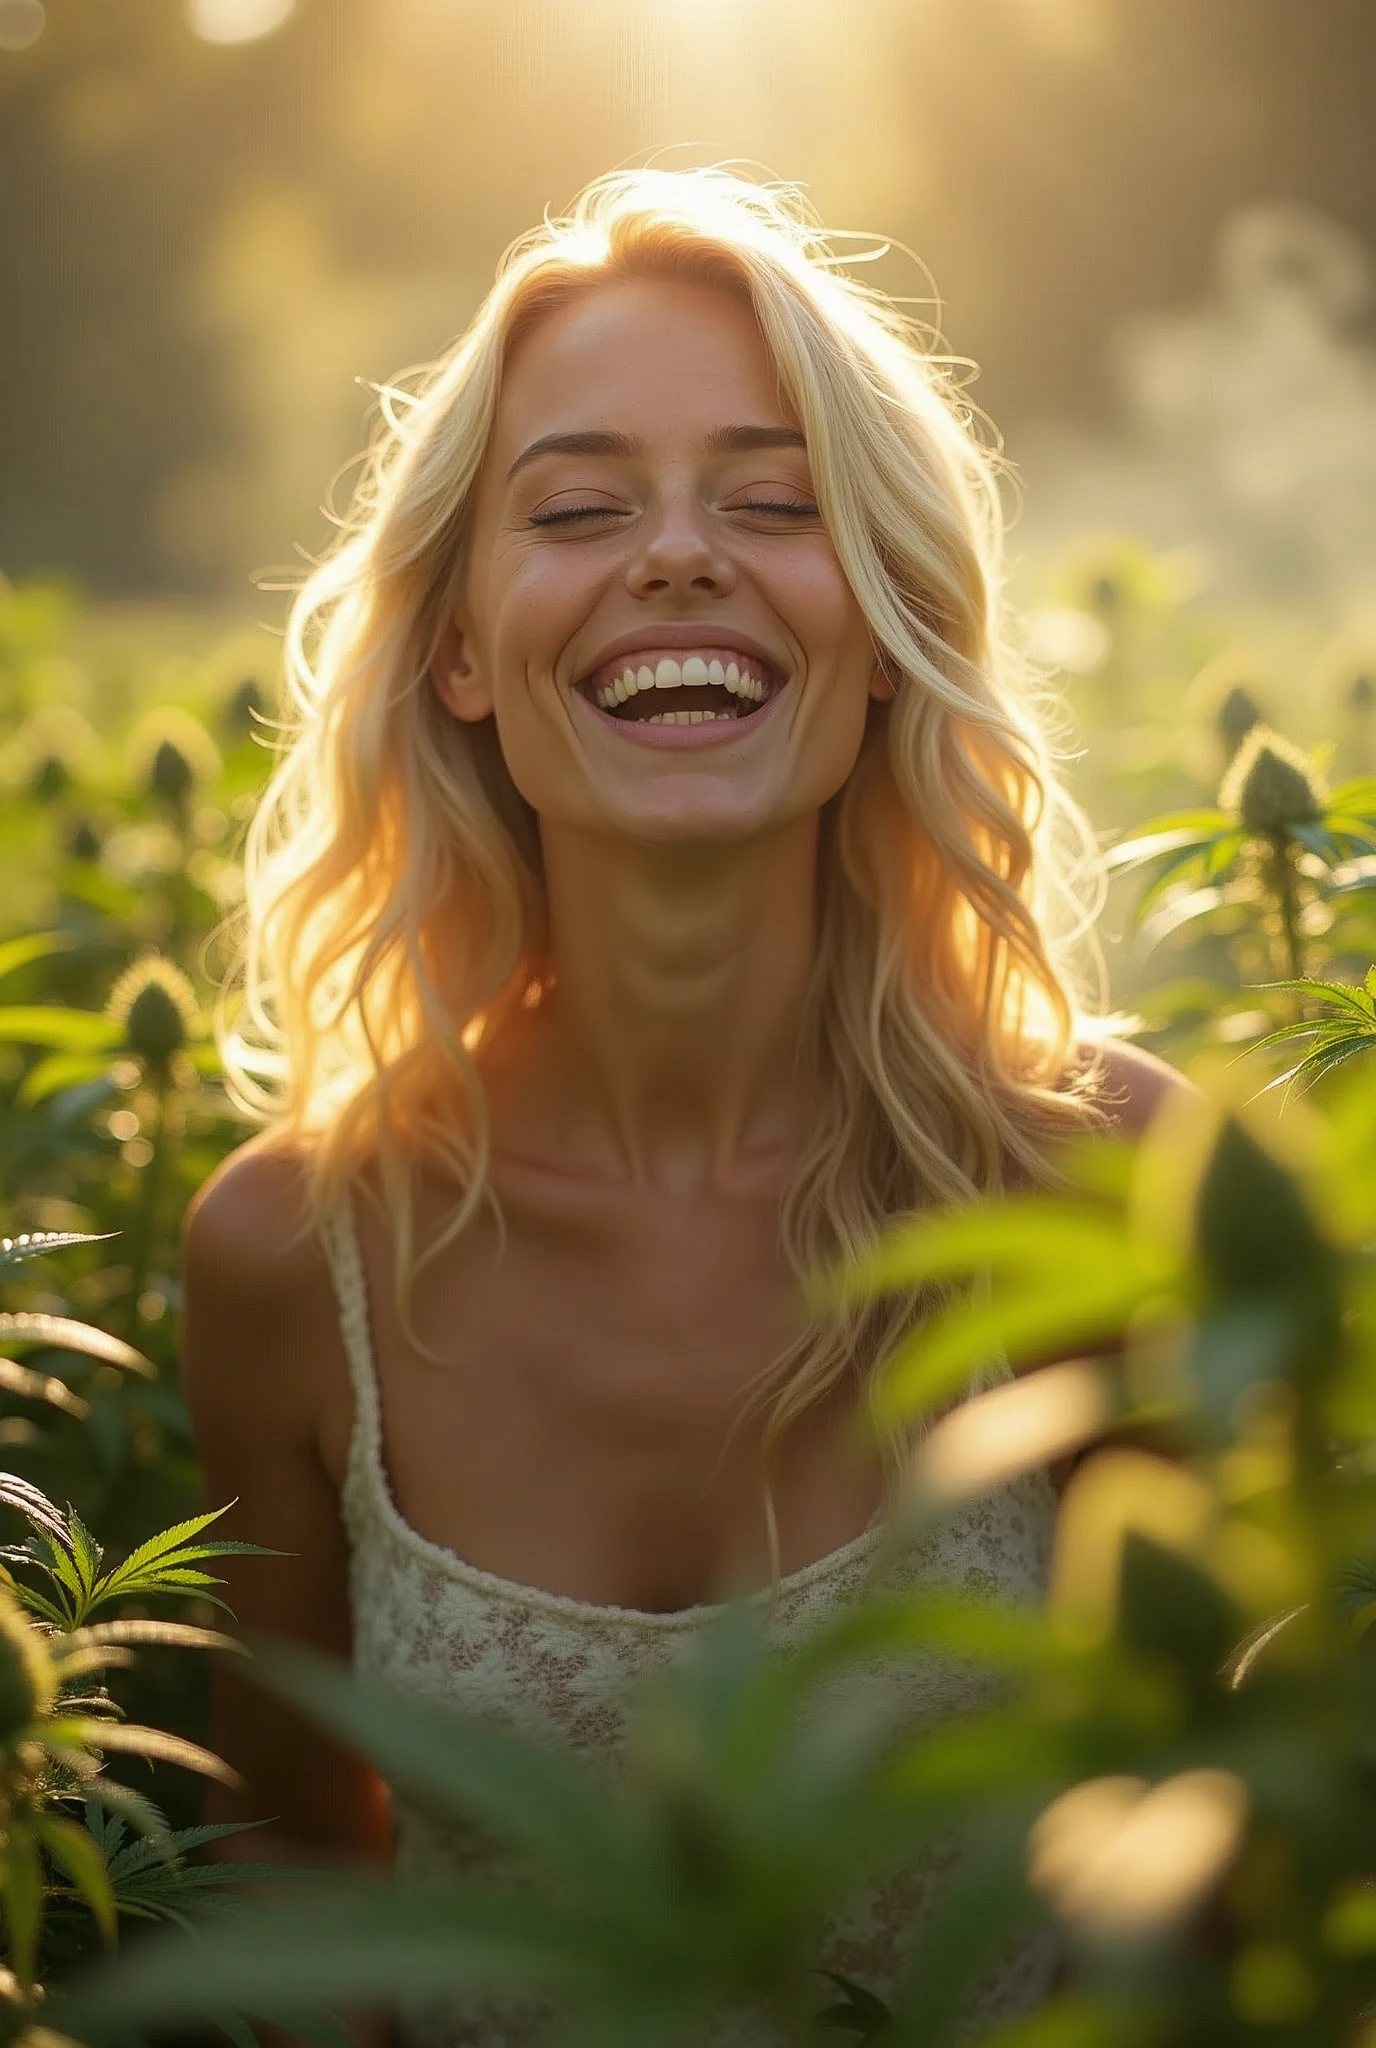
(1341, 993)
(404, 1943)
(160, 1558)
(530, 1796)
(18, 952)
(21, 1896)
(1173, 829)
(74, 1850)
(935, 1364)
(1170, 875)
(1317, 1063)
(1025, 1232)
(58, 1071)
(1357, 797)
(127, 1739)
(177, 1634)
(38, 1603)
(44, 1387)
(36, 1244)
(65, 1030)
(61, 1333)
(86, 1552)
(133, 1807)
(1181, 910)
(34, 1506)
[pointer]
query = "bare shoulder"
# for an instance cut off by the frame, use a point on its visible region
(256, 1286)
(251, 1214)
(1134, 1084)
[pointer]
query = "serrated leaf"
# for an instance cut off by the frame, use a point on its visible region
(39, 1604)
(134, 1807)
(86, 1552)
(36, 1244)
(38, 1386)
(180, 1634)
(74, 1850)
(126, 1738)
(172, 1548)
(35, 1507)
(61, 1333)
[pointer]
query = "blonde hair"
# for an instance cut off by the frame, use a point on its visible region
(394, 912)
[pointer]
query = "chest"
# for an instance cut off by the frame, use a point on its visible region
(573, 1430)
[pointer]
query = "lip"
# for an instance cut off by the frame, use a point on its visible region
(686, 634)
(720, 732)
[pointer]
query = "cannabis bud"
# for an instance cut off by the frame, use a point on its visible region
(156, 1004)
(171, 752)
(171, 775)
(50, 780)
(1271, 785)
(83, 842)
(244, 708)
(1237, 715)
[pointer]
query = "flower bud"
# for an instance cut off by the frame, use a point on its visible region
(157, 1006)
(1237, 715)
(171, 776)
(1272, 786)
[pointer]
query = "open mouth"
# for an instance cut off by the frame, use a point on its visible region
(711, 685)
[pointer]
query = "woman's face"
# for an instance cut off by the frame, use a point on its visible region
(653, 611)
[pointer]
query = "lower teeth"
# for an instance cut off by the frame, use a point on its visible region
(688, 717)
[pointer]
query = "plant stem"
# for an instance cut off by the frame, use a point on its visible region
(141, 1243)
(1282, 879)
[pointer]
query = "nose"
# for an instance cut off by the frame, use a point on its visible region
(679, 553)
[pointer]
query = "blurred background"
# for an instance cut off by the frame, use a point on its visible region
(1150, 224)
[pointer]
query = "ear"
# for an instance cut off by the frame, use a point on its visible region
(459, 682)
(884, 681)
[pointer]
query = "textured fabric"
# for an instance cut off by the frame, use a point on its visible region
(565, 1670)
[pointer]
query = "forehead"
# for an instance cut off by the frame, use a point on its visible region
(647, 356)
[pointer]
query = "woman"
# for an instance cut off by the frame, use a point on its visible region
(658, 894)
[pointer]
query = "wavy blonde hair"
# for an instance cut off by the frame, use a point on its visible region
(395, 910)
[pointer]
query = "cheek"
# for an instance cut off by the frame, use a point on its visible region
(813, 596)
(538, 602)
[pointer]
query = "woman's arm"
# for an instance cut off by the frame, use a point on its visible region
(264, 1370)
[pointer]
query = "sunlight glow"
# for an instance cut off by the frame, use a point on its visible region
(237, 21)
(21, 23)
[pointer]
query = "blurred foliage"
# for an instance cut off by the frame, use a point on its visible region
(65, 1863)
(1176, 1773)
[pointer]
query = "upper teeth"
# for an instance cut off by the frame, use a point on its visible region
(672, 675)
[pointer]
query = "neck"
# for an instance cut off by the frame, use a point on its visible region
(670, 1042)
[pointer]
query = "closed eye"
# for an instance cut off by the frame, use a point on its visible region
(565, 514)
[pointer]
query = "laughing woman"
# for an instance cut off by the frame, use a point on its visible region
(656, 896)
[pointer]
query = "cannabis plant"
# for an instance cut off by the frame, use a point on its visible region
(62, 1819)
(1174, 1769)
(1271, 846)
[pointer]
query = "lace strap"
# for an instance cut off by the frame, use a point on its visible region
(340, 1239)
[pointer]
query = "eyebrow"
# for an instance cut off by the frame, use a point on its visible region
(739, 440)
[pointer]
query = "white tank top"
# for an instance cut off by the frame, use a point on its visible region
(564, 1670)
